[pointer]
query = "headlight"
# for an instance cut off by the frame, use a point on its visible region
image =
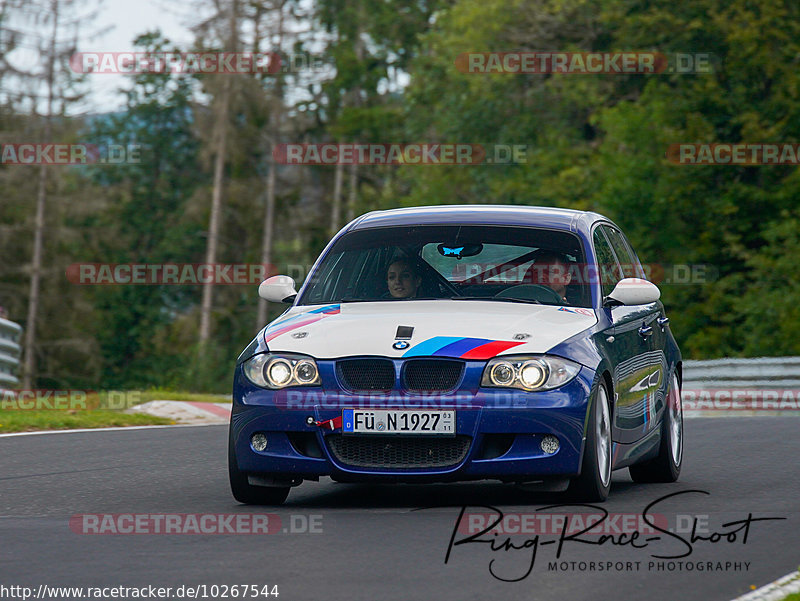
(279, 371)
(529, 373)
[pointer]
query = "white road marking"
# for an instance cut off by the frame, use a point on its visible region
(115, 428)
(774, 591)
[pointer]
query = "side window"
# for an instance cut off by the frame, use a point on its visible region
(640, 270)
(610, 272)
(627, 260)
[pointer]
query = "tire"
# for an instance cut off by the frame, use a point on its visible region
(666, 466)
(246, 493)
(594, 481)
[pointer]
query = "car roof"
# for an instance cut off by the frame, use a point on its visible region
(547, 217)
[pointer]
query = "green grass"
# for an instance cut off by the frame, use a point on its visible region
(20, 420)
(93, 410)
(159, 394)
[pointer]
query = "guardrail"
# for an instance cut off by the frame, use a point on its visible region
(10, 352)
(760, 373)
(743, 387)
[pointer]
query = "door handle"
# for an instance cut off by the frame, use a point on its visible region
(663, 322)
(645, 331)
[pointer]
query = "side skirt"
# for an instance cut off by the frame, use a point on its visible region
(624, 455)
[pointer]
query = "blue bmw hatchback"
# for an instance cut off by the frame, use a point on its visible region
(455, 343)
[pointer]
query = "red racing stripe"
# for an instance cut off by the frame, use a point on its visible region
(291, 326)
(490, 349)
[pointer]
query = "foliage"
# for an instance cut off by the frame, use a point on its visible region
(594, 142)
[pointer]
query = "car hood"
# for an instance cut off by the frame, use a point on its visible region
(445, 328)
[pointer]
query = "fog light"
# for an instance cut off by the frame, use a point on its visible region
(549, 444)
(259, 441)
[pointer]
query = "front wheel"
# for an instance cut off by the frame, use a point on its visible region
(594, 482)
(244, 492)
(666, 467)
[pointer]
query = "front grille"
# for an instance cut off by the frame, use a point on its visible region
(366, 374)
(423, 375)
(398, 452)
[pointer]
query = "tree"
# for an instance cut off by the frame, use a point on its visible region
(149, 214)
(54, 77)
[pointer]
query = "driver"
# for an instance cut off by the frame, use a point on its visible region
(551, 269)
(403, 279)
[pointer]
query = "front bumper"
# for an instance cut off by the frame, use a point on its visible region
(504, 430)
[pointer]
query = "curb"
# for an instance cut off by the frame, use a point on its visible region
(775, 591)
(186, 412)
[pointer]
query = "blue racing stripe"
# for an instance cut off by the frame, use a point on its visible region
(299, 315)
(431, 345)
(324, 309)
(459, 347)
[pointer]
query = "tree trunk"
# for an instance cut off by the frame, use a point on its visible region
(275, 114)
(352, 192)
(336, 205)
(29, 362)
(266, 245)
(352, 196)
(216, 209)
(216, 195)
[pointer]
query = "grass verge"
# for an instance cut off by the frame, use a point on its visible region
(17, 420)
(159, 394)
(60, 410)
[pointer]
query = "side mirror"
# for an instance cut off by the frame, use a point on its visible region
(278, 289)
(632, 291)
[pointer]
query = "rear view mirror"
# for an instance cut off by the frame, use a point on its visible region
(633, 291)
(278, 289)
(459, 250)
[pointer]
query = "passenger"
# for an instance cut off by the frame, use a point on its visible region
(403, 279)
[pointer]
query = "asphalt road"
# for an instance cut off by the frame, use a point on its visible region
(370, 542)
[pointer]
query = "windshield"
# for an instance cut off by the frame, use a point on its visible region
(500, 263)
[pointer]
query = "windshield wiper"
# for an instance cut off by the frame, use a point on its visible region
(496, 298)
(355, 299)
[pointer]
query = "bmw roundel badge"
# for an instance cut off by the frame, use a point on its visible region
(401, 344)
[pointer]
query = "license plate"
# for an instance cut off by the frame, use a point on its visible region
(391, 421)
